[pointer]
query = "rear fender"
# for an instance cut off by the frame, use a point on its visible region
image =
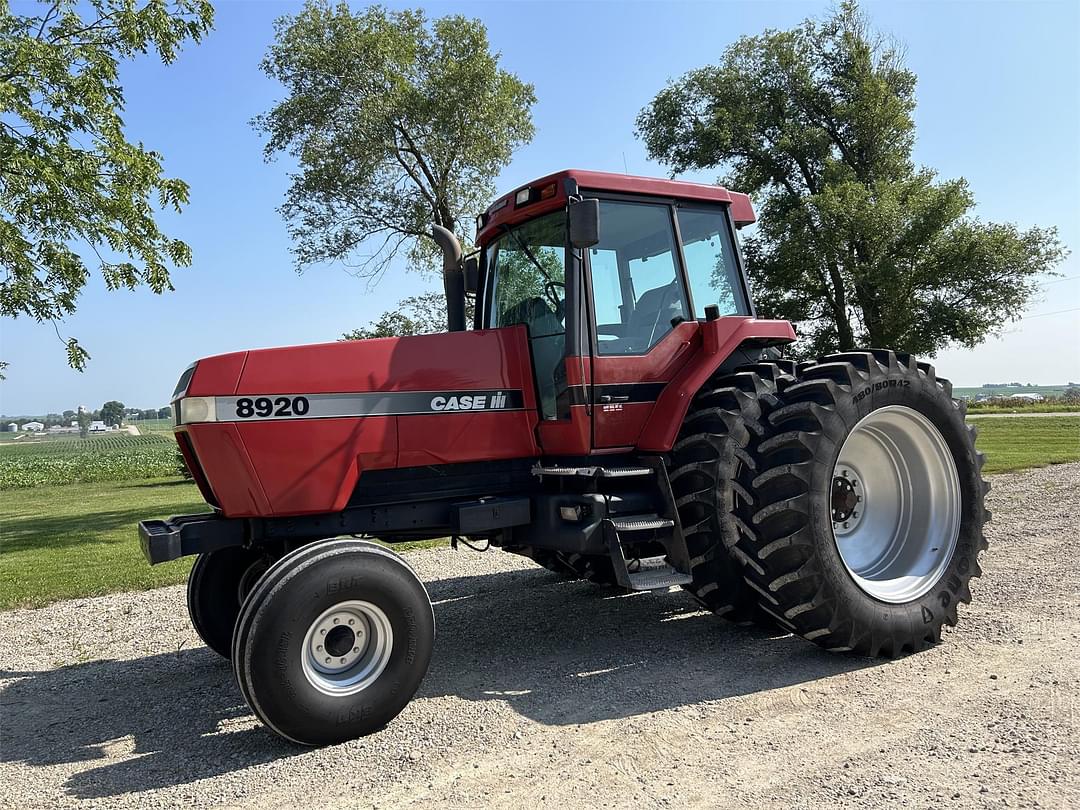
(720, 339)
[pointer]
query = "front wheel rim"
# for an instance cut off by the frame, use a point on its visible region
(895, 504)
(347, 648)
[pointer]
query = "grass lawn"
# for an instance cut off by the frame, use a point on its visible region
(1014, 443)
(61, 542)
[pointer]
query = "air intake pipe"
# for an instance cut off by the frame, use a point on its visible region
(453, 277)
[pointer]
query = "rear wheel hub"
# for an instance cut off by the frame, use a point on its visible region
(895, 504)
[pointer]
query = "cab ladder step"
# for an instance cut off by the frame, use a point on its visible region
(591, 471)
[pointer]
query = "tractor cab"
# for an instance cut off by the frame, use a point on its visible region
(612, 276)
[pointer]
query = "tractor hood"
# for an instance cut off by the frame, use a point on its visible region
(310, 419)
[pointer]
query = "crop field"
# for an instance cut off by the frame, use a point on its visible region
(70, 460)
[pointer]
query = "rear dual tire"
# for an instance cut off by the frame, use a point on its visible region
(876, 573)
(710, 468)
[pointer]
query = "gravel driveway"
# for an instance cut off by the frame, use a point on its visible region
(546, 693)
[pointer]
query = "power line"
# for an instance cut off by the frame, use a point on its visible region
(1059, 280)
(1044, 314)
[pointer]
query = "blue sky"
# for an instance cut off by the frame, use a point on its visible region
(999, 103)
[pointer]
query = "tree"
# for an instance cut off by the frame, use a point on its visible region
(856, 243)
(71, 183)
(112, 412)
(164, 413)
(416, 315)
(84, 419)
(395, 123)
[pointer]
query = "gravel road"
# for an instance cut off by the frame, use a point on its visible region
(545, 693)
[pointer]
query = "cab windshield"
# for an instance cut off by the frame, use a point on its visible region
(527, 268)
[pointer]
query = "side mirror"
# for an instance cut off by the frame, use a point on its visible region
(584, 222)
(472, 273)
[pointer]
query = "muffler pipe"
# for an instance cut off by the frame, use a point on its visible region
(453, 277)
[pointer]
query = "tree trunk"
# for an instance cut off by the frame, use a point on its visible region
(844, 336)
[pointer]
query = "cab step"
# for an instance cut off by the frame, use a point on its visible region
(658, 579)
(648, 573)
(591, 471)
(641, 523)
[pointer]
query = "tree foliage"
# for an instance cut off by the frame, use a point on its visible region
(856, 243)
(71, 183)
(415, 315)
(394, 123)
(112, 412)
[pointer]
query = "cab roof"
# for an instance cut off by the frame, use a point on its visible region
(549, 193)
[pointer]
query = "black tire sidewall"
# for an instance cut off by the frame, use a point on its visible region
(271, 647)
(213, 597)
(924, 615)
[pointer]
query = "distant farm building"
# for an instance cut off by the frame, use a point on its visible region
(35, 427)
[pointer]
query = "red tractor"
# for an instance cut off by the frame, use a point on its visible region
(616, 412)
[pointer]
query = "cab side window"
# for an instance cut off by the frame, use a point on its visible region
(710, 261)
(637, 295)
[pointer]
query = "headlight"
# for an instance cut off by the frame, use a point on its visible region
(197, 409)
(184, 382)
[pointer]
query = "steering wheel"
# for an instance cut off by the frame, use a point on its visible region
(558, 303)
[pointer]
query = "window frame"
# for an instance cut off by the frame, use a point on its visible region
(677, 256)
(491, 270)
(485, 311)
(742, 285)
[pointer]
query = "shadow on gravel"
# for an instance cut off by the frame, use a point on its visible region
(170, 704)
(562, 652)
(557, 652)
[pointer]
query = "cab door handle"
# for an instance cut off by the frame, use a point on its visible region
(610, 398)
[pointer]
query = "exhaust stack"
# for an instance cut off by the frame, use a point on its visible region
(453, 278)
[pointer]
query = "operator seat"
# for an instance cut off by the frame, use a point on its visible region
(652, 317)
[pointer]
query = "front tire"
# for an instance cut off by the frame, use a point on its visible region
(333, 642)
(217, 586)
(868, 508)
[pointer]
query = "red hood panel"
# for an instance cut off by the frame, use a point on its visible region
(300, 466)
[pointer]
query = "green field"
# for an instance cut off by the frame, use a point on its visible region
(71, 460)
(1016, 442)
(1011, 390)
(79, 540)
(70, 540)
(974, 409)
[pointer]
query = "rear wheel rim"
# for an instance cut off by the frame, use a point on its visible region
(895, 504)
(347, 648)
